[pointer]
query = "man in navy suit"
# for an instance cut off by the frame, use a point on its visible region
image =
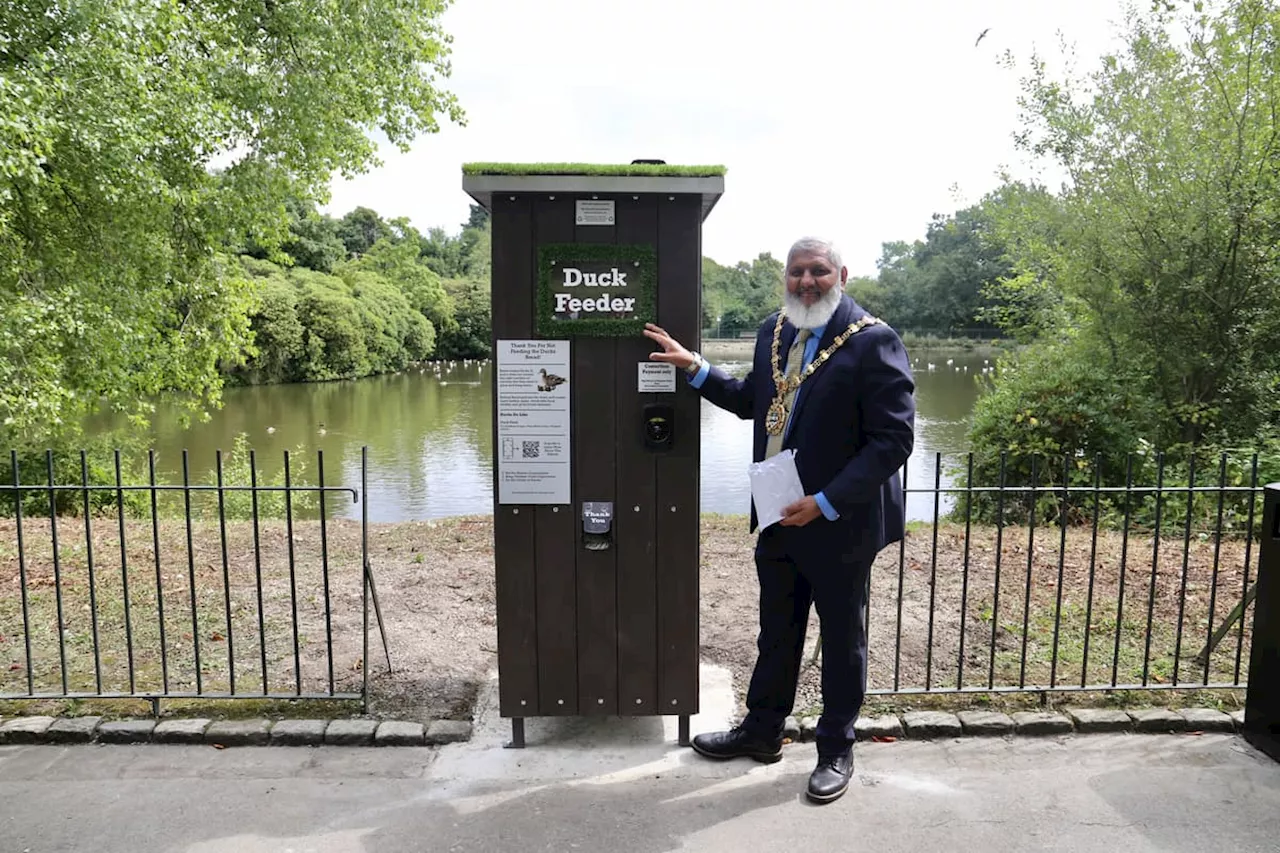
(833, 383)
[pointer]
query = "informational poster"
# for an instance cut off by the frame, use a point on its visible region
(533, 408)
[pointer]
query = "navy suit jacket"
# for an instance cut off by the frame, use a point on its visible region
(852, 429)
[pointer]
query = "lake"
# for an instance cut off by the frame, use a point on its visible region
(430, 445)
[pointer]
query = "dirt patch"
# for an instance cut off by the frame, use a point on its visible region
(1073, 612)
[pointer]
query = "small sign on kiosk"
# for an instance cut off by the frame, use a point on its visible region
(656, 378)
(593, 212)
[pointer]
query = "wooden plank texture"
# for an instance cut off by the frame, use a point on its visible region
(594, 452)
(636, 531)
(515, 578)
(555, 537)
(679, 312)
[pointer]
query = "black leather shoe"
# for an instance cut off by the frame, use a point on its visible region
(830, 778)
(738, 743)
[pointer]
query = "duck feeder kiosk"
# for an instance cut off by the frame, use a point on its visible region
(595, 447)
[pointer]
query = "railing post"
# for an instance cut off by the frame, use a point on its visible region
(1262, 699)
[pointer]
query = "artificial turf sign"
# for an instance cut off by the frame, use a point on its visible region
(603, 290)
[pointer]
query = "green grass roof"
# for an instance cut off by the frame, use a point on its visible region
(602, 169)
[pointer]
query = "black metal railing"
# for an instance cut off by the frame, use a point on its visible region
(1066, 576)
(194, 589)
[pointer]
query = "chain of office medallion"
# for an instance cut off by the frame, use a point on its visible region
(782, 384)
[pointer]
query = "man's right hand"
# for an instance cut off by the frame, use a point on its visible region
(672, 351)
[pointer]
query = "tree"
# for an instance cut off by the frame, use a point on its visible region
(959, 257)
(477, 217)
(312, 240)
(1167, 249)
(360, 229)
(899, 281)
(870, 294)
(113, 283)
(940, 284)
(468, 337)
(396, 257)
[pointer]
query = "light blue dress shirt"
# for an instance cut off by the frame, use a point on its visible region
(810, 350)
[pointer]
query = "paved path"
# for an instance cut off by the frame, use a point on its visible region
(623, 785)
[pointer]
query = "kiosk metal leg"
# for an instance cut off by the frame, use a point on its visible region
(684, 729)
(517, 733)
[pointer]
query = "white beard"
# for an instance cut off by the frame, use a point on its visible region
(811, 316)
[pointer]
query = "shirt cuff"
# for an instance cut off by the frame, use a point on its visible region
(825, 505)
(701, 375)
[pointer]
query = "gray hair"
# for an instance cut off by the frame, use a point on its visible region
(816, 246)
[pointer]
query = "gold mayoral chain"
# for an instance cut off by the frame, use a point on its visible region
(776, 418)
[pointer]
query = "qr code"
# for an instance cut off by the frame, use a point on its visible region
(531, 450)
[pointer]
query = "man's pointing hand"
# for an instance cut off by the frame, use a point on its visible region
(672, 351)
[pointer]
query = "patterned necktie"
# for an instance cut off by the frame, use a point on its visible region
(795, 362)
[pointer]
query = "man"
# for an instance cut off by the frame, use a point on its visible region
(834, 383)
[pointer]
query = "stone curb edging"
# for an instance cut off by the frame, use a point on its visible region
(913, 725)
(229, 733)
(927, 725)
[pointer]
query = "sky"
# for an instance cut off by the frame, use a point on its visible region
(855, 121)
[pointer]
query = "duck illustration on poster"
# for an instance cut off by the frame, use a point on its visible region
(549, 380)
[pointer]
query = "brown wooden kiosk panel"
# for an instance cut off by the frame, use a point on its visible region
(557, 598)
(594, 460)
(679, 312)
(515, 581)
(598, 615)
(637, 496)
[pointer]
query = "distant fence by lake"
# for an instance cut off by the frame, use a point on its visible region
(919, 332)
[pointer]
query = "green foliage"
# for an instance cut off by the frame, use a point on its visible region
(238, 496)
(278, 333)
(1060, 413)
(112, 286)
(397, 258)
(312, 240)
(469, 336)
(70, 469)
(1051, 401)
(941, 283)
(871, 294)
(1164, 241)
(1025, 301)
(313, 327)
(1148, 284)
(619, 169)
(360, 229)
(736, 299)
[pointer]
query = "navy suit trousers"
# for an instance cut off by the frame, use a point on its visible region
(800, 567)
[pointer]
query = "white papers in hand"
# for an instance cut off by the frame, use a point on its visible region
(775, 484)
